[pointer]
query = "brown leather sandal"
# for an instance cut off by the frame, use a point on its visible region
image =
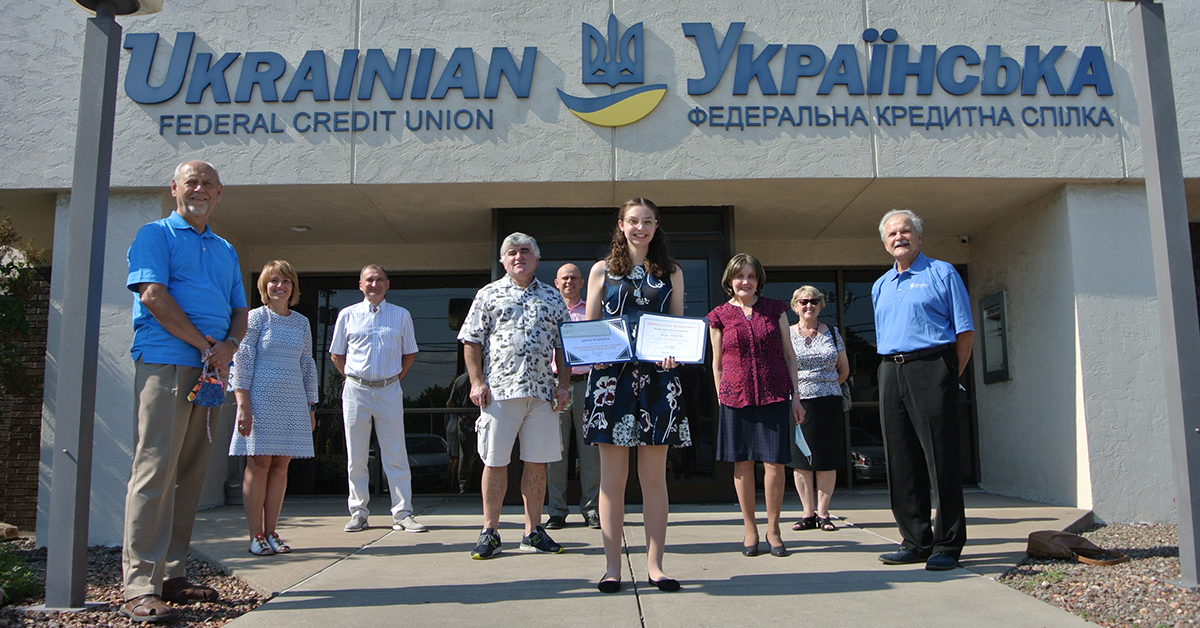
(180, 591)
(149, 608)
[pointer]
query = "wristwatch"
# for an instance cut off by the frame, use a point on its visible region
(236, 343)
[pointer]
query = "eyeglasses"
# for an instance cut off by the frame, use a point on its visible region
(648, 223)
(808, 301)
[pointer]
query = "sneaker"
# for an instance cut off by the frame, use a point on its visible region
(489, 545)
(357, 523)
(408, 524)
(556, 522)
(593, 520)
(540, 542)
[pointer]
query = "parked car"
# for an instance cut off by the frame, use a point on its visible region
(428, 459)
(866, 451)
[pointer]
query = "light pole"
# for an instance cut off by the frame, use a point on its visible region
(1172, 268)
(75, 397)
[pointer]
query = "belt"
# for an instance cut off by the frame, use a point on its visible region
(373, 383)
(582, 377)
(901, 358)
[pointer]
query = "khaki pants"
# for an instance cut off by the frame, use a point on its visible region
(170, 458)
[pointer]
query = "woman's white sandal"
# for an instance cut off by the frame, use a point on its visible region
(277, 544)
(259, 546)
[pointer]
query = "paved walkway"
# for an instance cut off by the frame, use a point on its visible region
(379, 577)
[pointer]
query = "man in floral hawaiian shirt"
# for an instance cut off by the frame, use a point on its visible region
(510, 337)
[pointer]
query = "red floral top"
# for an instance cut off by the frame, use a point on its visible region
(753, 369)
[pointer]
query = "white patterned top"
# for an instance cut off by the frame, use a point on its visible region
(816, 363)
(518, 328)
(274, 363)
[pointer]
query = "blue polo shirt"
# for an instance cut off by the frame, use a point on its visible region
(200, 271)
(922, 307)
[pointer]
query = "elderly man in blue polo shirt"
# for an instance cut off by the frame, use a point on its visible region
(190, 309)
(924, 332)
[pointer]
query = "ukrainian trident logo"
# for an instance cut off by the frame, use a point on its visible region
(614, 61)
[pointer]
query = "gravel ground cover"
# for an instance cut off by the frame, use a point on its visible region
(1134, 593)
(104, 585)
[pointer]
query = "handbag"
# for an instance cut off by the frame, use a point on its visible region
(209, 392)
(1067, 546)
(847, 401)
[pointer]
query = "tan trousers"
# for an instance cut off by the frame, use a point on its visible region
(170, 458)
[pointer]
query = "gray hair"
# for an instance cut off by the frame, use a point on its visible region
(180, 167)
(916, 222)
(517, 239)
(377, 267)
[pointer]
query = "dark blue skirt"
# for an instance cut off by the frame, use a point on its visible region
(760, 433)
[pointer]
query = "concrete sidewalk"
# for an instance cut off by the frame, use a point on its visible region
(382, 578)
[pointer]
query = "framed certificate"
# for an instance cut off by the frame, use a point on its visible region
(603, 341)
(660, 336)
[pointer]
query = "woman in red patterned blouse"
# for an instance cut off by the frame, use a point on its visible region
(754, 368)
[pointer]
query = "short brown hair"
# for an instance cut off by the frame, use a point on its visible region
(736, 265)
(283, 268)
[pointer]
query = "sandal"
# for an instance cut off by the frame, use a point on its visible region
(149, 608)
(826, 524)
(277, 544)
(180, 591)
(260, 547)
(807, 523)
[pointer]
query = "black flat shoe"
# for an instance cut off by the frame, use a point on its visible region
(608, 586)
(667, 585)
(779, 550)
(750, 550)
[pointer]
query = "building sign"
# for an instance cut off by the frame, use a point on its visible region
(613, 63)
(889, 71)
(773, 85)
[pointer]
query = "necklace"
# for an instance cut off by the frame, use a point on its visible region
(807, 338)
(639, 273)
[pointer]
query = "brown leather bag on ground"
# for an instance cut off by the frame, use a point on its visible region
(1067, 546)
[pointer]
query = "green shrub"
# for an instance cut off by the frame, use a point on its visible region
(17, 579)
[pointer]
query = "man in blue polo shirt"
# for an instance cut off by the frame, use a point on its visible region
(190, 309)
(924, 332)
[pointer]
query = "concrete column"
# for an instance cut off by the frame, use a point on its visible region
(113, 439)
(1083, 421)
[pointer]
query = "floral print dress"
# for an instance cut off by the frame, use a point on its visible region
(635, 403)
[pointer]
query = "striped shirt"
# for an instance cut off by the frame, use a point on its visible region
(373, 339)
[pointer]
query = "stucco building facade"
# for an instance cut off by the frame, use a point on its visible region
(416, 136)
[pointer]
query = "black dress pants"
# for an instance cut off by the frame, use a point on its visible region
(918, 406)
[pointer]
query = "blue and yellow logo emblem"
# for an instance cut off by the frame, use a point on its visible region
(614, 62)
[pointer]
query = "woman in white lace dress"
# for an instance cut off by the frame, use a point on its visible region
(275, 382)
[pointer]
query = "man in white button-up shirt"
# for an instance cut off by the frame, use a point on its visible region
(373, 345)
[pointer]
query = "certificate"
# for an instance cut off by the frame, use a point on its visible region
(596, 342)
(660, 336)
